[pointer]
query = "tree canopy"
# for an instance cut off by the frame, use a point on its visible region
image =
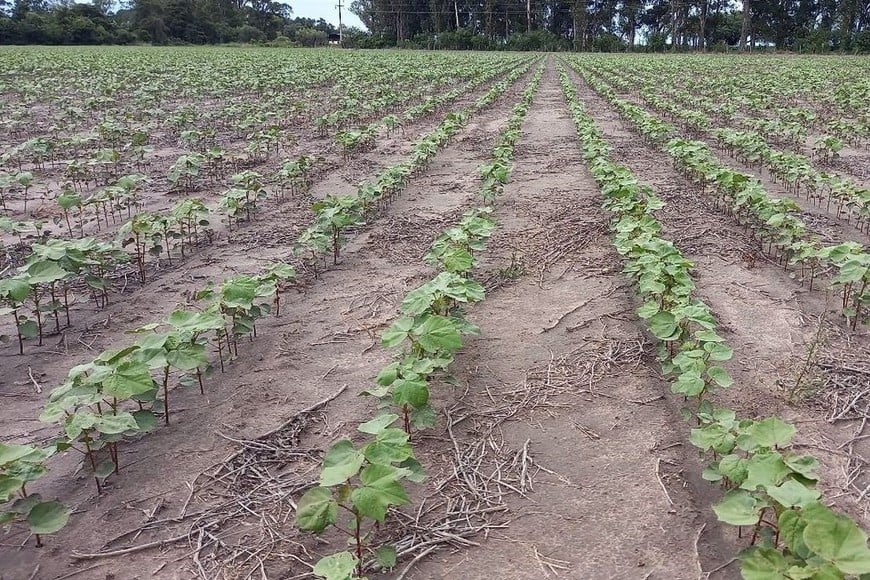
(606, 25)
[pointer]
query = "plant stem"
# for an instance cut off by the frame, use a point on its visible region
(166, 394)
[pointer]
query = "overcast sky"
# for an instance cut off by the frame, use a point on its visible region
(325, 9)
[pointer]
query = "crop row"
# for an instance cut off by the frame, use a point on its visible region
(42, 288)
(768, 486)
(750, 147)
(114, 146)
(121, 392)
(773, 221)
(366, 480)
(782, 102)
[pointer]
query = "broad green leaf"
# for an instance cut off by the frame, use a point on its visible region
(316, 510)
(47, 517)
(417, 301)
(116, 424)
(791, 493)
(407, 392)
(187, 356)
(397, 332)
(764, 470)
(791, 531)
(712, 437)
(9, 453)
(341, 462)
(128, 379)
(663, 325)
(339, 566)
(9, 487)
(772, 432)
(806, 465)
(378, 424)
(837, 539)
(423, 416)
(763, 564)
(718, 351)
(145, 420)
(380, 489)
(45, 272)
(720, 376)
(438, 334)
(734, 468)
(738, 508)
(416, 473)
(391, 446)
(688, 384)
(386, 556)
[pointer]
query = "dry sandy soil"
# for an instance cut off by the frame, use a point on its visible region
(559, 450)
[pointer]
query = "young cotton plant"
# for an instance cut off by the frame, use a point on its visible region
(21, 465)
(364, 482)
(453, 250)
(93, 407)
(772, 489)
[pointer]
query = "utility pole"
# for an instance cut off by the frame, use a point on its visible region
(456, 11)
(340, 28)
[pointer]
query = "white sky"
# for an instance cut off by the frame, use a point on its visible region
(326, 9)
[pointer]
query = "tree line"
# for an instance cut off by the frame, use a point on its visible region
(602, 25)
(158, 22)
(805, 25)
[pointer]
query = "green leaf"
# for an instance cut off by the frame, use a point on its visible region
(648, 310)
(763, 564)
(791, 493)
(187, 356)
(10, 453)
(397, 332)
(772, 432)
(417, 301)
(128, 379)
(45, 272)
(764, 470)
(688, 384)
(416, 472)
(718, 351)
(378, 424)
(720, 376)
(438, 334)
(316, 510)
(390, 446)
(713, 437)
(339, 566)
(380, 489)
(791, 531)
(738, 508)
(9, 487)
(663, 325)
(341, 462)
(733, 467)
(146, 421)
(407, 392)
(836, 539)
(105, 469)
(386, 556)
(47, 517)
(116, 424)
(805, 465)
(423, 416)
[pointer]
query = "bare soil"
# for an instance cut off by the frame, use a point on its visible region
(559, 450)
